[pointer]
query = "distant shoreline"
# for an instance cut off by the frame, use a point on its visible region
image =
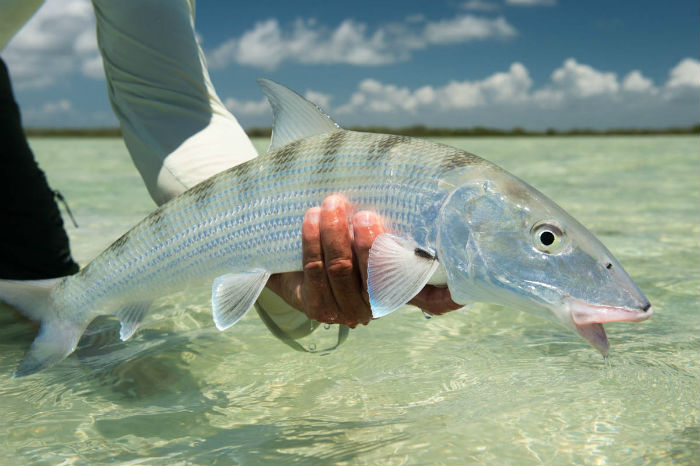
(421, 131)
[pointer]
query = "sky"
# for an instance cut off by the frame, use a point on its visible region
(534, 64)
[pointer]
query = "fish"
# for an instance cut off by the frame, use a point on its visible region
(452, 219)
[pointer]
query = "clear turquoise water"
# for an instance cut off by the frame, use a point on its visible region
(488, 386)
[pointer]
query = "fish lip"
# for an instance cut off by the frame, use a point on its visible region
(583, 313)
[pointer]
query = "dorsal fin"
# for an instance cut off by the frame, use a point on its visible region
(293, 116)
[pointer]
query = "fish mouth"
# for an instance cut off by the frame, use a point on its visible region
(589, 320)
(583, 313)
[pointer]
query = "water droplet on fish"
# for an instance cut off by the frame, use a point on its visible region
(327, 326)
(312, 347)
(426, 315)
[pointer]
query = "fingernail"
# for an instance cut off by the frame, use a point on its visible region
(364, 219)
(331, 203)
(313, 215)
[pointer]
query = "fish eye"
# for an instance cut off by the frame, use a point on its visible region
(547, 237)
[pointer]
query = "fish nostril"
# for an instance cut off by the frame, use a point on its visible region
(647, 307)
(608, 265)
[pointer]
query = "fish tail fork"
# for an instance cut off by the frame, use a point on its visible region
(57, 337)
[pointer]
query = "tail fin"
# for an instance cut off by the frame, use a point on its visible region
(57, 338)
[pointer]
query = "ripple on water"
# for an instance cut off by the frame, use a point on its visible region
(488, 386)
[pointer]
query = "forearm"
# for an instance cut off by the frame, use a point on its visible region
(176, 128)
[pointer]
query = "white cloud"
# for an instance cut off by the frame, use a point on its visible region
(480, 5)
(576, 95)
(636, 82)
(583, 81)
(319, 98)
(268, 44)
(247, 107)
(531, 2)
(466, 29)
(685, 74)
(507, 87)
(59, 39)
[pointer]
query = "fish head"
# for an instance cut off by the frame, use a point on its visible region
(502, 241)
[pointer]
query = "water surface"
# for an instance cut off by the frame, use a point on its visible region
(487, 386)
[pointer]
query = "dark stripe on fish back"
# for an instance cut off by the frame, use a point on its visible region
(283, 158)
(382, 146)
(155, 220)
(330, 151)
(155, 217)
(117, 248)
(202, 190)
(457, 159)
(242, 173)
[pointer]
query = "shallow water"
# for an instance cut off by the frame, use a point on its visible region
(486, 386)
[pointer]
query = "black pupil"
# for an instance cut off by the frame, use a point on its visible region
(547, 238)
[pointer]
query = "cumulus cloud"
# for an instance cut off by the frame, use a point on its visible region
(576, 95)
(580, 80)
(634, 81)
(59, 39)
(509, 87)
(685, 75)
(269, 44)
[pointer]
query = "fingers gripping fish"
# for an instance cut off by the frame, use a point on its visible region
(454, 219)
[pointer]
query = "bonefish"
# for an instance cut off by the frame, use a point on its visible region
(453, 219)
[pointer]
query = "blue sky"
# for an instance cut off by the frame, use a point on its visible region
(500, 63)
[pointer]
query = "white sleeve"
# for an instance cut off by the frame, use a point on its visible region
(175, 126)
(13, 15)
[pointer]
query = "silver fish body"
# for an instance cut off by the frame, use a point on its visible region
(453, 218)
(250, 216)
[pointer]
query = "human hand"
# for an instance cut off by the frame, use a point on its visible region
(333, 285)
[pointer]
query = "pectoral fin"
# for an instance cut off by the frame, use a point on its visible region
(397, 270)
(234, 294)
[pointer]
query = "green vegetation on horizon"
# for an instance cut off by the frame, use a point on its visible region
(418, 130)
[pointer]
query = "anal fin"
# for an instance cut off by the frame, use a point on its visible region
(397, 270)
(131, 317)
(234, 294)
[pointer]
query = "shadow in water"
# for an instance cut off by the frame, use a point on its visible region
(152, 367)
(297, 441)
(164, 413)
